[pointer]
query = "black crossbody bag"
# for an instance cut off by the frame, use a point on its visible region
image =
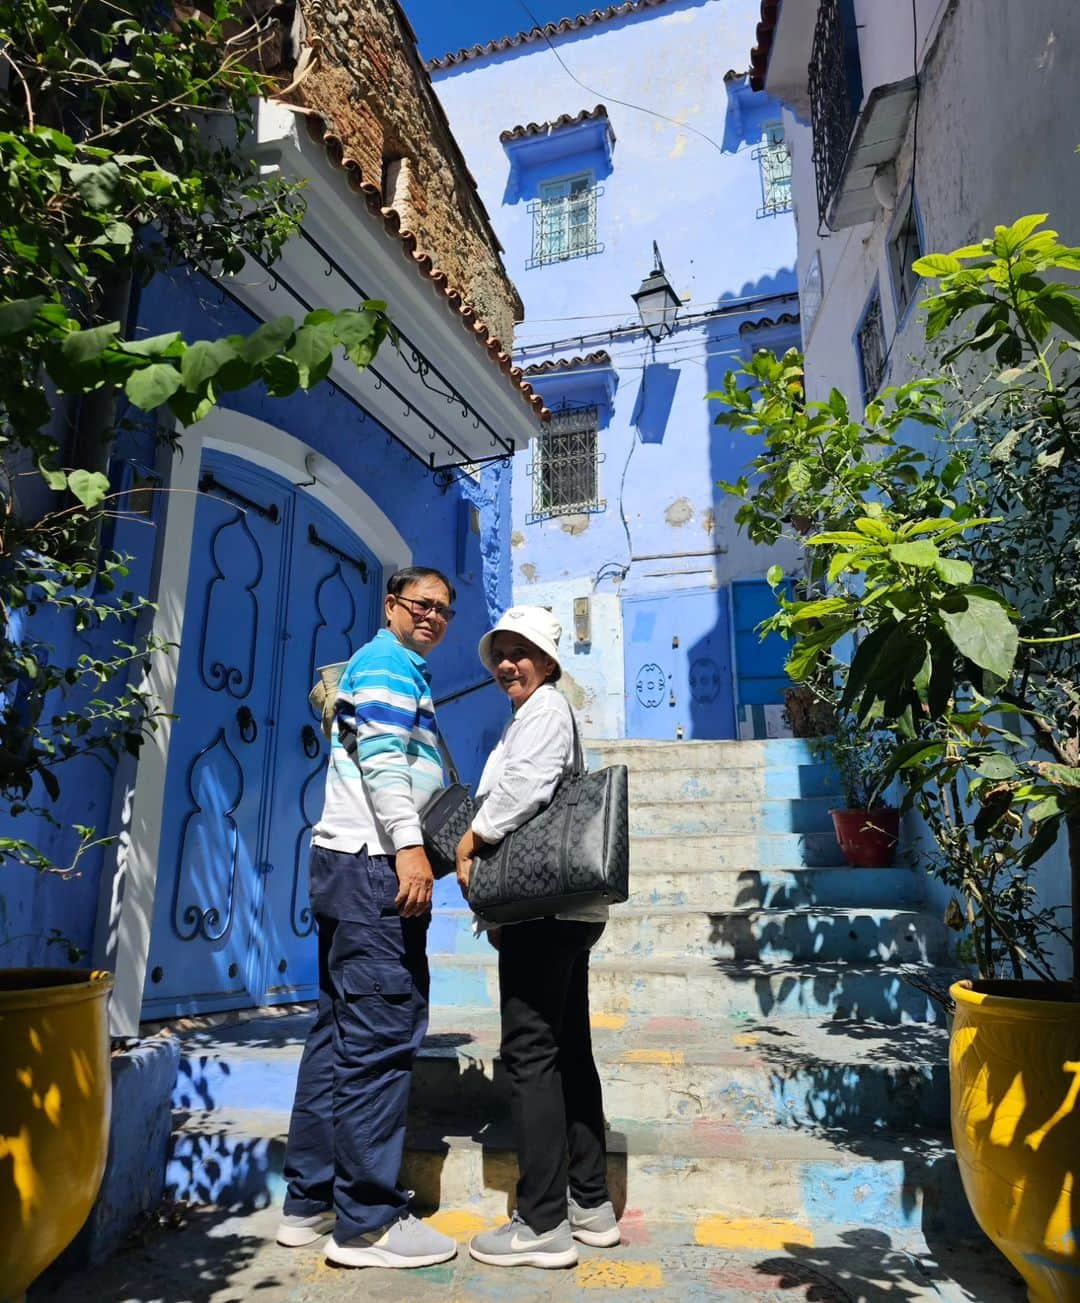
(573, 853)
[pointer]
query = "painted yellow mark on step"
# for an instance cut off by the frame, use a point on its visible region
(745, 1038)
(603, 1273)
(668, 1058)
(759, 1233)
(460, 1226)
(608, 1021)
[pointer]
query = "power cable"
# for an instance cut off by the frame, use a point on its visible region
(640, 108)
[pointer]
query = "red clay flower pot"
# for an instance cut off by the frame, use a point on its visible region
(868, 837)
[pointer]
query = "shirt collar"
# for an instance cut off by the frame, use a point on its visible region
(414, 657)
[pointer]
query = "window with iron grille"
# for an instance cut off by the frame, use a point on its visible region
(566, 471)
(870, 339)
(564, 220)
(835, 89)
(774, 160)
(905, 248)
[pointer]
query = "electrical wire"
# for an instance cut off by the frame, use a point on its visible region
(640, 108)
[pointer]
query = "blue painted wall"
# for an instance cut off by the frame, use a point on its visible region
(437, 523)
(694, 186)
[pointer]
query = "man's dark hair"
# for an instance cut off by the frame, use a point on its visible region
(400, 580)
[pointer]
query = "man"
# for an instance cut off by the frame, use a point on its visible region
(371, 889)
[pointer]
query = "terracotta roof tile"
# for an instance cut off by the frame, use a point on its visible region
(767, 323)
(563, 120)
(762, 51)
(545, 32)
(600, 358)
(499, 352)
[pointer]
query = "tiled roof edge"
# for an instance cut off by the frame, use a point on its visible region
(563, 120)
(600, 358)
(762, 51)
(544, 32)
(323, 132)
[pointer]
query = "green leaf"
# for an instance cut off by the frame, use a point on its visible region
(1063, 775)
(774, 576)
(954, 571)
(83, 346)
(922, 553)
(1049, 808)
(56, 480)
(97, 184)
(936, 264)
(90, 487)
(152, 346)
(16, 315)
(152, 385)
(982, 631)
(204, 359)
(270, 338)
(355, 327)
(312, 352)
(1063, 309)
(997, 767)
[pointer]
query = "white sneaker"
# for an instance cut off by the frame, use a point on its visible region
(294, 1232)
(405, 1243)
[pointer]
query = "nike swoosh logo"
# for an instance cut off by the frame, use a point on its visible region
(518, 1244)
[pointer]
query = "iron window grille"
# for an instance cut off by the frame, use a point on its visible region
(905, 248)
(835, 86)
(774, 160)
(564, 220)
(566, 471)
(870, 339)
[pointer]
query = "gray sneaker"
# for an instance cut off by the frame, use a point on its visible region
(405, 1243)
(596, 1226)
(294, 1231)
(515, 1245)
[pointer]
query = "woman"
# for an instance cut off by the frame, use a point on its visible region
(543, 973)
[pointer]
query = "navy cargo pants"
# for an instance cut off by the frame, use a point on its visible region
(347, 1130)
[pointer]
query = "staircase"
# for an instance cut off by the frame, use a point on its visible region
(772, 1078)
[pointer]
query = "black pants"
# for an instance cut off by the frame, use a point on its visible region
(347, 1130)
(558, 1110)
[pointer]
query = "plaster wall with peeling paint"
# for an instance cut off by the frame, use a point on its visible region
(678, 163)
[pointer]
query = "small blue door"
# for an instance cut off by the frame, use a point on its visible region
(677, 653)
(759, 662)
(276, 587)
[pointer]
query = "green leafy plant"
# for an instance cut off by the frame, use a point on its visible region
(122, 154)
(956, 575)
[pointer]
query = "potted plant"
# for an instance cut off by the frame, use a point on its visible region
(867, 827)
(955, 569)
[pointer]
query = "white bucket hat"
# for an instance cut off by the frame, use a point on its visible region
(535, 623)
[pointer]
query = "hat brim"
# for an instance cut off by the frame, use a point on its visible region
(539, 642)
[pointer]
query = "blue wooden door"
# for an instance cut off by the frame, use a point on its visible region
(759, 662)
(276, 586)
(677, 652)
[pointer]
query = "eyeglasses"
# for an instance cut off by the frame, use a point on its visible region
(427, 607)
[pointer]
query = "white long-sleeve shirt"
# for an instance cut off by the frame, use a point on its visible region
(526, 765)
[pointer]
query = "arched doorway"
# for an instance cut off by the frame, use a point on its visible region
(277, 585)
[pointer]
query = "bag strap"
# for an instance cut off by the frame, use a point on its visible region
(579, 754)
(447, 758)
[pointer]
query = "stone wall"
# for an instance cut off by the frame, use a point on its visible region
(367, 81)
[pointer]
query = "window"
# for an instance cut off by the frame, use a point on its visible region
(810, 295)
(566, 474)
(904, 248)
(564, 220)
(774, 159)
(870, 341)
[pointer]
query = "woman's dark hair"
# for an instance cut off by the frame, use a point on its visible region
(400, 580)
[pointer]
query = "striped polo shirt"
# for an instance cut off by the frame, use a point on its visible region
(384, 758)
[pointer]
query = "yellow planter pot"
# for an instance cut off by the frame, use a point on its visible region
(55, 1091)
(1014, 1070)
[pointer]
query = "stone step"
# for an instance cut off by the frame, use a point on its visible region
(733, 850)
(642, 754)
(796, 888)
(863, 1077)
(866, 936)
(733, 1259)
(234, 1158)
(709, 817)
(747, 784)
(720, 988)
